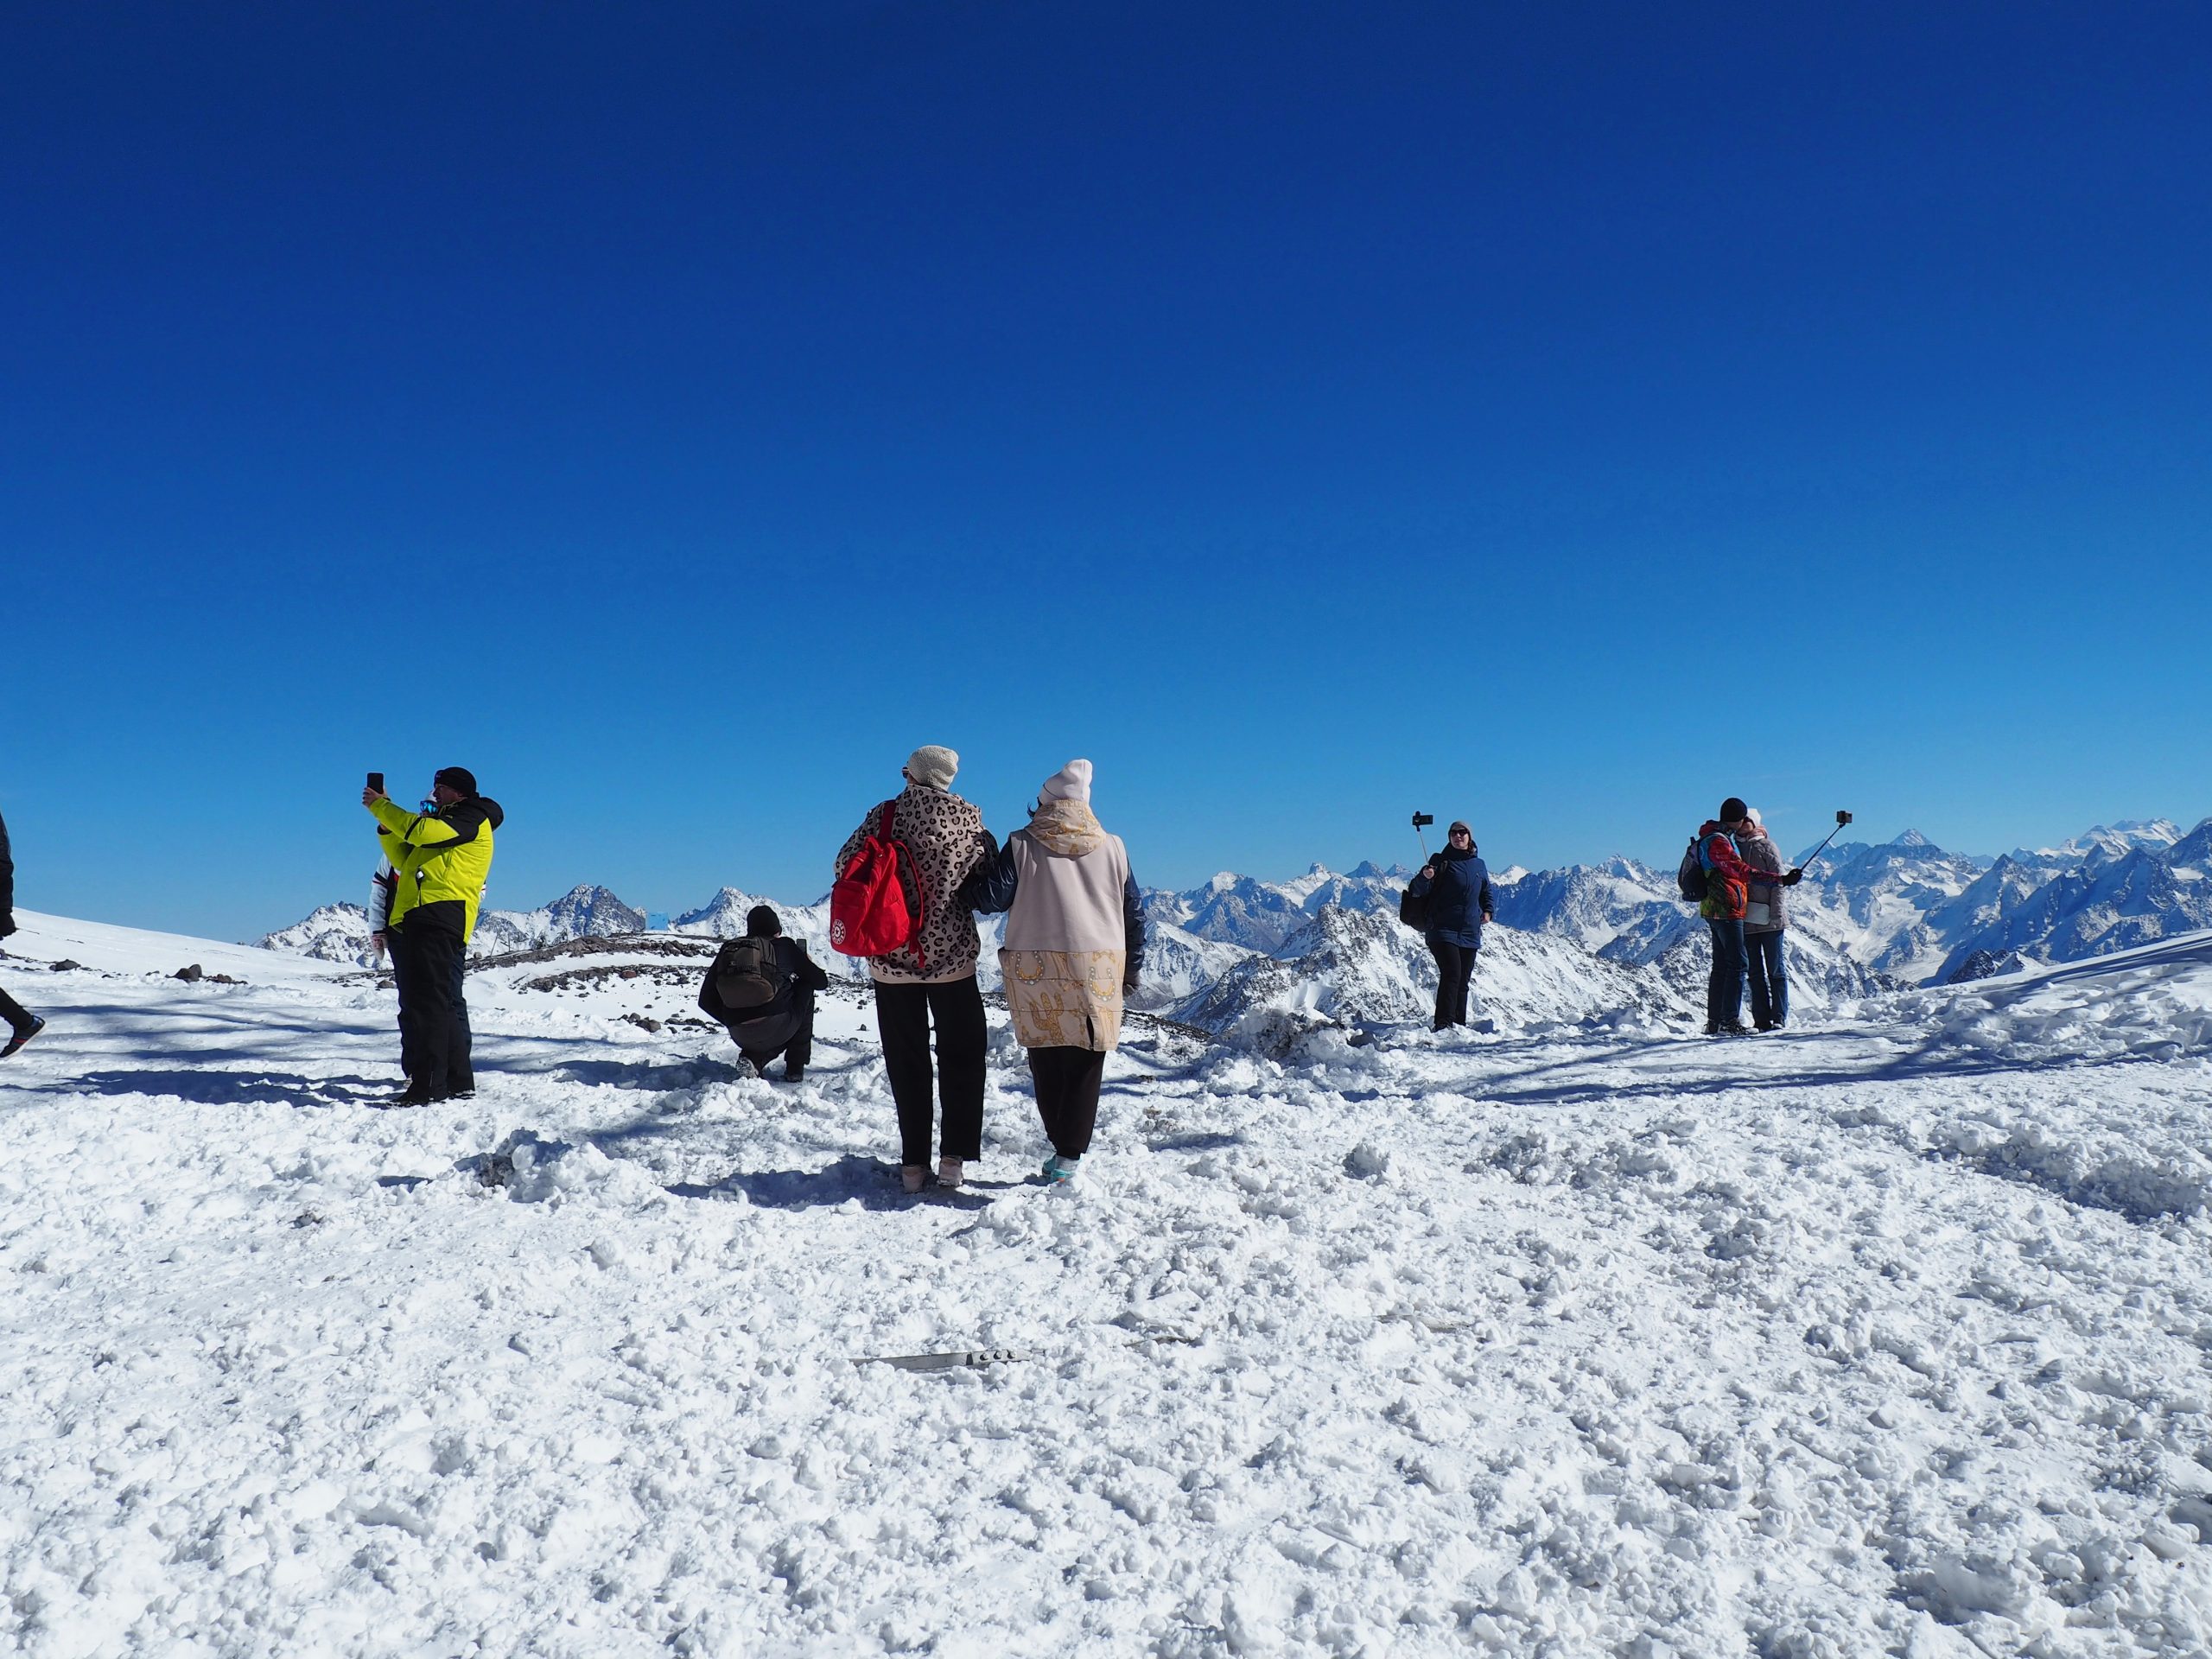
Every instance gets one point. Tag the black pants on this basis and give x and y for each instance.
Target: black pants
(797, 1049)
(1770, 978)
(1724, 990)
(1455, 971)
(902, 1019)
(13, 1012)
(403, 962)
(429, 967)
(1067, 1095)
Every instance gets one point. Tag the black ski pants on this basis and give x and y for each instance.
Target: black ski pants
(903, 1013)
(429, 967)
(797, 1047)
(1724, 990)
(1769, 978)
(1455, 972)
(1067, 1095)
(13, 1012)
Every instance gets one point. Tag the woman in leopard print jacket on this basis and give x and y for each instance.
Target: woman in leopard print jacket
(933, 977)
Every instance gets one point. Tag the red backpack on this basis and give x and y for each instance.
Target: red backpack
(868, 906)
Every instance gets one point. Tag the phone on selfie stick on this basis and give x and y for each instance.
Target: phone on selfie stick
(1841, 818)
(376, 782)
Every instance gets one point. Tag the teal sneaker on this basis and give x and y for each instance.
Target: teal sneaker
(1058, 1168)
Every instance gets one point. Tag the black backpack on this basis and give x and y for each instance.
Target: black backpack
(1690, 876)
(747, 975)
(1413, 912)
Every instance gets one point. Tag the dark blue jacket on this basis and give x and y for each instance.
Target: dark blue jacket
(1459, 899)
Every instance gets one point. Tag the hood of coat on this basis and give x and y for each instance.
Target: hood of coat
(477, 809)
(1066, 828)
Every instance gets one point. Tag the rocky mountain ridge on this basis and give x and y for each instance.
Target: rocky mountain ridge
(1600, 942)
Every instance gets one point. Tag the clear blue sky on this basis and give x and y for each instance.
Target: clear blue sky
(1555, 416)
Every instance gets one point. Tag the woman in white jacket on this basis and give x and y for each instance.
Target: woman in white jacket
(1074, 944)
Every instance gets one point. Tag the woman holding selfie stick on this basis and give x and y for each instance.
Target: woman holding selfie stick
(1764, 921)
(1456, 883)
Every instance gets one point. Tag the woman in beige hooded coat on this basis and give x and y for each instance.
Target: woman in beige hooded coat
(1074, 944)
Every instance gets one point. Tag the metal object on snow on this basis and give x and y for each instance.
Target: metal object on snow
(973, 1359)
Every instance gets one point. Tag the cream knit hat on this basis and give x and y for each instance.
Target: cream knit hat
(934, 764)
(1070, 782)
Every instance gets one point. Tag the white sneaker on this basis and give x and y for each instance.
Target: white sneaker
(911, 1176)
(948, 1172)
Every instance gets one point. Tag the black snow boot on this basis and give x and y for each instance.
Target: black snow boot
(22, 1034)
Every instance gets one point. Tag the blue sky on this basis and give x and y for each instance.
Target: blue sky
(1558, 416)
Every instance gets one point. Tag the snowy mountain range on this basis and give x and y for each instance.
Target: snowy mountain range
(1605, 943)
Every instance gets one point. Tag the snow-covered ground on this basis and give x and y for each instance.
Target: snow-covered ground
(1885, 1337)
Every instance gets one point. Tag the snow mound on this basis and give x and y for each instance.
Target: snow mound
(2152, 1004)
(533, 1170)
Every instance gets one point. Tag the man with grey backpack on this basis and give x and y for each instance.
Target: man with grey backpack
(761, 988)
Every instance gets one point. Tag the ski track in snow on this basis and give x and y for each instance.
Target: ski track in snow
(1887, 1339)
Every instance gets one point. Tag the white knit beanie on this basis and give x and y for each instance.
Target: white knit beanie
(1070, 782)
(1752, 813)
(934, 764)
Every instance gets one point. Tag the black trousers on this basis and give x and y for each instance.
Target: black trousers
(797, 1049)
(1067, 1095)
(430, 966)
(1455, 971)
(903, 1013)
(1770, 978)
(1724, 990)
(402, 964)
(13, 1012)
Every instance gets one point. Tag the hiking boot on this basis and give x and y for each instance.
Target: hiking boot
(913, 1177)
(23, 1034)
(949, 1172)
(413, 1095)
(1729, 1028)
(794, 1071)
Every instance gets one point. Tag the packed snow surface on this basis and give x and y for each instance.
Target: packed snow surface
(1879, 1337)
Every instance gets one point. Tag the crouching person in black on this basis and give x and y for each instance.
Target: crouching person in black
(762, 987)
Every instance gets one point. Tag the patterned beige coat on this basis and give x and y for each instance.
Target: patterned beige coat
(946, 837)
(1065, 945)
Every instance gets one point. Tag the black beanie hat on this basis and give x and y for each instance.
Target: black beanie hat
(761, 922)
(460, 778)
(1732, 808)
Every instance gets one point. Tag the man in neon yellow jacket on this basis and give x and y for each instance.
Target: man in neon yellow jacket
(440, 859)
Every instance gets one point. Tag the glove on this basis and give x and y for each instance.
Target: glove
(1793, 878)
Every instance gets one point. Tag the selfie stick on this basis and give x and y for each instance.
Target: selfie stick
(1841, 818)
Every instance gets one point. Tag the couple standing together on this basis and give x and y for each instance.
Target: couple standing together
(1073, 945)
